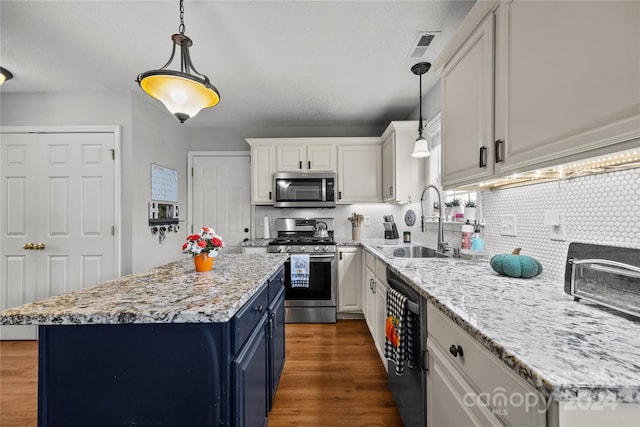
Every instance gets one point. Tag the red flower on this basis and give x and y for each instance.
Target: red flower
(206, 229)
(184, 247)
(193, 237)
(216, 242)
(202, 243)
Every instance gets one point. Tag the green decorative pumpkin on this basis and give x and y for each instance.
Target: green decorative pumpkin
(516, 265)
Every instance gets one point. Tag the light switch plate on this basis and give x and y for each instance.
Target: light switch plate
(367, 220)
(508, 225)
(559, 232)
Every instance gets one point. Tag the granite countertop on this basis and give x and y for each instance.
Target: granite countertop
(172, 293)
(569, 350)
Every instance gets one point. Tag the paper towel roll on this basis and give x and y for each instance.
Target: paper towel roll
(265, 226)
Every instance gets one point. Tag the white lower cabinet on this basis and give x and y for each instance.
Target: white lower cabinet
(349, 280)
(469, 386)
(375, 300)
(451, 401)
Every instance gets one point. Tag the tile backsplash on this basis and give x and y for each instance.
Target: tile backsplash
(600, 209)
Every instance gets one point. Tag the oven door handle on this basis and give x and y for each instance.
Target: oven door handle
(317, 257)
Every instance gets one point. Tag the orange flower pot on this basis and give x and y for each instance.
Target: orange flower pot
(203, 262)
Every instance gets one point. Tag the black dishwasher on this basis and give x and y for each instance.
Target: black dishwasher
(409, 389)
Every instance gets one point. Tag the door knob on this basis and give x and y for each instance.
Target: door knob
(28, 246)
(40, 246)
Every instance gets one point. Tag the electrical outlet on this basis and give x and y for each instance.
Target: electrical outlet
(508, 225)
(367, 221)
(559, 232)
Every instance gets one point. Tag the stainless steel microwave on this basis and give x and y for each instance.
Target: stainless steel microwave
(304, 190)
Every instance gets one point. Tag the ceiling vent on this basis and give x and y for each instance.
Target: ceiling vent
(421, 43)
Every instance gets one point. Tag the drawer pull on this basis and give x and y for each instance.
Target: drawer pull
(456, 350)
(259, 309)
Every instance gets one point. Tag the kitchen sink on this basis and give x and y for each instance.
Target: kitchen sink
(404, 251)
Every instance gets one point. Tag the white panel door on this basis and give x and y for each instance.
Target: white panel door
(221, 197)
(57, 214)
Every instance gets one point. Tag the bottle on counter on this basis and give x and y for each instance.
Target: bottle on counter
(477, 241)
(467, 234)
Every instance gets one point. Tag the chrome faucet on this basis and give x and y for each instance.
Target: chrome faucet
(442, 246)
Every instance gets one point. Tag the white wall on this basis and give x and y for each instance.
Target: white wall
(158, 138)
(148, 135)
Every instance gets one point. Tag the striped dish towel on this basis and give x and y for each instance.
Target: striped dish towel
(300, 271)
(398, 344)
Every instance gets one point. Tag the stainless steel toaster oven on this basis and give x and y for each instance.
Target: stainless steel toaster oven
(606, 275)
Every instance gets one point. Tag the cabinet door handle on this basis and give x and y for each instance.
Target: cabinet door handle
(269, 195)
(456, 350)
(339, 195)
(259, 309)
(391, 191)
(498, 153)
(309, 162)
(373, 289)
(300, 164)
(371, 284)
(340, 255)
(483, 157)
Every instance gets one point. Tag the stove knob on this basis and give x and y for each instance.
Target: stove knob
(280, 248)
(325, 248)
(316, 248)
(301, 248)
(288, 248)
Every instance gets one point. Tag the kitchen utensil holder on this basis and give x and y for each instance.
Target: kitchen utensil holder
(355, 233)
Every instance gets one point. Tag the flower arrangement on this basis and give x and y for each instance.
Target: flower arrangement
(207, 242)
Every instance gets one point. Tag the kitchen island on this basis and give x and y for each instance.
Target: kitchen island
(165, 347)
(581, 358)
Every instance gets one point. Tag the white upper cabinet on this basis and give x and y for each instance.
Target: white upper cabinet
(359, 172)
(305, 157)
(569, 74)
(263, 165)
(535, 84)
(467, 109)
(403, 176)
(356, 162)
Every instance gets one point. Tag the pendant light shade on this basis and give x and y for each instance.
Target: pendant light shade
(183, 92)
(421, 148)
(5, 75)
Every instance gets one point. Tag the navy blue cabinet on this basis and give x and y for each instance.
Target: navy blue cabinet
(250, 373)
(276, 344)
(170, 374)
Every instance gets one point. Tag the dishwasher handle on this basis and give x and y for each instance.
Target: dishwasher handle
(413, 306)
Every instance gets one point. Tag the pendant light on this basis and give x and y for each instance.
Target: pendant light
(5, 75)
(421, 149)
(183, 92)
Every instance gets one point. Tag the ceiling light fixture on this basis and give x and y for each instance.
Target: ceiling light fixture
(421, 149)
(183, 92)
(5, 75)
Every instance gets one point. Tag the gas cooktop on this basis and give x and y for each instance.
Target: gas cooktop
(302, 240)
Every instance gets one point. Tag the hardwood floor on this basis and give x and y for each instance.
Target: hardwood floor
(18, 383)
(332, 377)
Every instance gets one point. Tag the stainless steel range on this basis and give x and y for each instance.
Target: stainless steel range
(315, 301)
